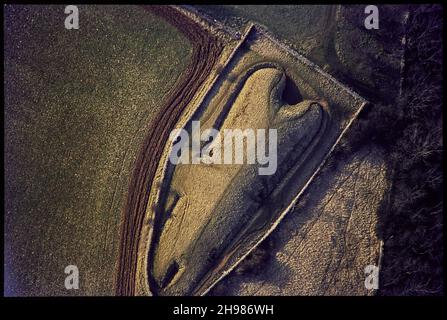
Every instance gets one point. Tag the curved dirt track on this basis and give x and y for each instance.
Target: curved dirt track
(206, 51)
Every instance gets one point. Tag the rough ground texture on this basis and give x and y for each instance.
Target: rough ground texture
(399, 69)
(206, 50)
(200, 243)
(334, 37)
(211, 202)
(323, 246)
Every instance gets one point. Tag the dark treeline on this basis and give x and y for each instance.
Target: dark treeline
(410, 135)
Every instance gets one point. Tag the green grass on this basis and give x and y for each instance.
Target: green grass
(333, 37)
(77, 106)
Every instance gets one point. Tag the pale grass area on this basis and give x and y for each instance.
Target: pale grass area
(323, 245)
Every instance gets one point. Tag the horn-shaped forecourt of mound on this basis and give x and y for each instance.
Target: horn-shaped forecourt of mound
(207, 207)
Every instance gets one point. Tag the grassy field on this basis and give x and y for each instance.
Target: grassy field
(78, 110)
(335, 38)
(323, 245)
(77, 107)
(301, 25)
